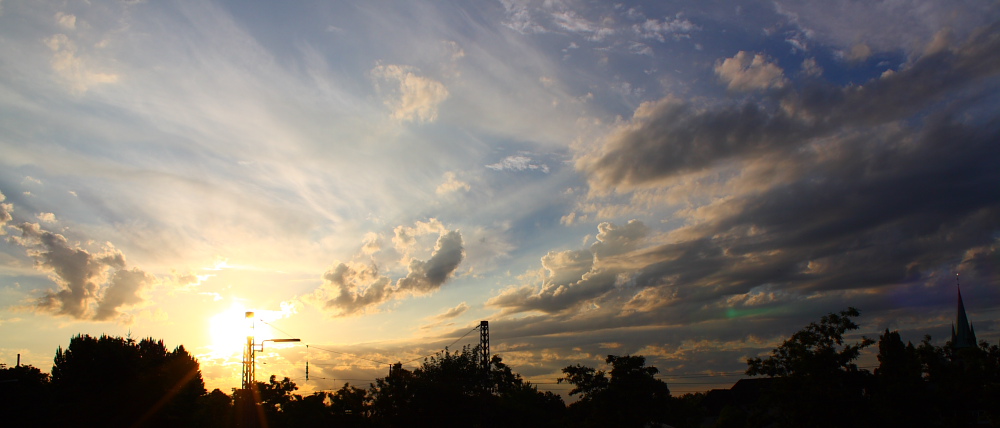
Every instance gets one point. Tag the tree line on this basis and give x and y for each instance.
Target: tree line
(812, 379)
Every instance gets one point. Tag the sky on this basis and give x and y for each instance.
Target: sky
(691, 181)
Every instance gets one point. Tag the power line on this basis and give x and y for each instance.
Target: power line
(276, 328)
(446, 347)
(348, 354)
(661, 376)
(374, 360)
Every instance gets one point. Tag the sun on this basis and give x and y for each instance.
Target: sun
(229, 329)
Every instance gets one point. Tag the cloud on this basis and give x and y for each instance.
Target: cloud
(405, 237)
(74, 70)
(744, 72)
(452, 312)
(573, 277)
(858, 52)
(426, 276)
(5, 214)
(568, 20)
(676, 27)
(65, 20)
(803, 201)
(811, 68)
(519, 162)
(519, 18)
(123, 290)
(669, 138)
(452, 184)
(883, 26)
(91, 286)
(414, 98)
(372, 243)
(47, 217)
(356, 288)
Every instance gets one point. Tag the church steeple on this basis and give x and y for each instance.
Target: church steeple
(962, 333)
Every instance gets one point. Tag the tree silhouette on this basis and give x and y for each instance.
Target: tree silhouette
(451, 387)
(900, 396)
(631, 397)
(962, 384)
(215, 409)
(817, 383)
(274, 397)
(114, 381)
(350, 406)
(24, 392)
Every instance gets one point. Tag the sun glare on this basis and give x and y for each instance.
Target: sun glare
(229, 329)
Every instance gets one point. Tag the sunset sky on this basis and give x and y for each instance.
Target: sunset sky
(691, 181)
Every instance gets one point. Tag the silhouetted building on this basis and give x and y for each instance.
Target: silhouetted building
(962, 333)
(744, 395)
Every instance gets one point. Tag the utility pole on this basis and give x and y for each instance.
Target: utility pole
(248, 357)
(484, 345)
(249, 368)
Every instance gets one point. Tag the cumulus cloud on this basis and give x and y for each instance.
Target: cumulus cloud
(573, 277)
(858, 52)
(372, 243)
(356, 288)
(452, 184)
(811, 68)
(411, 97)
(91, 286)
(426, 276)
(351, 288)
(5, 214)
(405, 237)
(66, 20)
(123, 290)
(47, 217)
(749, 72)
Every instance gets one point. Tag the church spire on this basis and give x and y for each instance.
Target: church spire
(962, 333)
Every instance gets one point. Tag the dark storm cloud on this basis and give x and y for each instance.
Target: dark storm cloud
(870, 196)
(82, 276)
(874, 211)
(351, 289)
(673, 137)
(863, 187)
